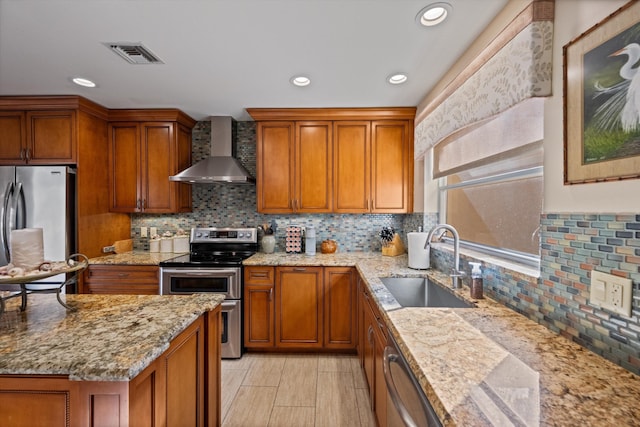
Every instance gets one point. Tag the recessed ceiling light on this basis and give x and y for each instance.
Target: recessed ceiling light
(83, 82)
(397, 78)
(300, 81)
(433, 14)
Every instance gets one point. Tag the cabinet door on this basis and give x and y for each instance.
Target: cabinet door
(13, 136)
(51, 137)
(157, 157)
(183, 162)
(275, 167)
(124, 167)
(340, 321)
(368, 345)
(259, 307)
(391, 167)
(313, 167)
(299, 307)
(352, 153)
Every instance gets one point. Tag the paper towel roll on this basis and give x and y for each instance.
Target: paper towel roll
(418, 255)
(27, 248)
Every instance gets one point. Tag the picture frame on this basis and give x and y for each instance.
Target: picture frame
(602, 100)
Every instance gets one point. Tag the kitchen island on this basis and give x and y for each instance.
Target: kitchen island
(111, 360)
(487, 365)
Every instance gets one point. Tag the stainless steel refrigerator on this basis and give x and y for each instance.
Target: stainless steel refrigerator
(39, 197)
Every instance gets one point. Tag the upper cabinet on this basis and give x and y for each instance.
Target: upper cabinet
(38, 137)
(334, 160)
(144, 151)
(294, 166)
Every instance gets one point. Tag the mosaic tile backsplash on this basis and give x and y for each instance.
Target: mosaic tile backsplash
(234, 205)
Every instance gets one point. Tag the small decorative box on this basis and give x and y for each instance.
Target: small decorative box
(293, 239)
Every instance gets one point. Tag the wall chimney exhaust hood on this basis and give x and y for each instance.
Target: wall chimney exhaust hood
(221, 166)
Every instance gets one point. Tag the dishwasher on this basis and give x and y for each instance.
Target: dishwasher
(412, 408)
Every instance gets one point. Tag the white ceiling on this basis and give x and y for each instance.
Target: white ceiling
(222, 56)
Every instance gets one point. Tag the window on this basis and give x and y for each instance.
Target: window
(491, 184)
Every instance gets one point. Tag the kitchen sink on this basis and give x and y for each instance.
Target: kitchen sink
(421, 292)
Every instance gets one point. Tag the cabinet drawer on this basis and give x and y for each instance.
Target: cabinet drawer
(122, 279)
(259, 275)
(129, 273)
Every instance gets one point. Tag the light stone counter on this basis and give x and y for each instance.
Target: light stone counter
(134, 258)
(106, 337)
(490, 365)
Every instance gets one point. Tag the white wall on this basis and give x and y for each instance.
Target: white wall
(572, 18)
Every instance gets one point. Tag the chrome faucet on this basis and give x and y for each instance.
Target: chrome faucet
(456, 274)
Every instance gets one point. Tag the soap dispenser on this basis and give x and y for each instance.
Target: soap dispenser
(476, 281)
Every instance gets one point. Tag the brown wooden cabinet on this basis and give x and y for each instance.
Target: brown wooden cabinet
(259, 283)
(340, 320)
(298, 311)
(38, 137)
(371, 352)
(121, 279)
(300, 308)
(335, 160)
(181, 387)
(143, 154)
(294, 166)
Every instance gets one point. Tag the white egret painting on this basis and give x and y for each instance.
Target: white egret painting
(612, 98)
(602, 100)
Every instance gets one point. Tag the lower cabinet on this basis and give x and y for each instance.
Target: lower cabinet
(300, 308)
(259, 307)
(371, 353)
(121, 279)
(181, 387)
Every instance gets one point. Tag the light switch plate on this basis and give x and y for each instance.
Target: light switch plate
(611, 292)
(143, 231)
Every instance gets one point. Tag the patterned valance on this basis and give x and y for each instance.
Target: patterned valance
(519, 70)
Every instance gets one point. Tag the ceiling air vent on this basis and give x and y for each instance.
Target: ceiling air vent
(135, 53)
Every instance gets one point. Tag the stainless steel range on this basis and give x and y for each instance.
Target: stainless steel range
(214, 264)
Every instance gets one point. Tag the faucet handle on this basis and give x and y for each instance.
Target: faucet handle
(457, 273)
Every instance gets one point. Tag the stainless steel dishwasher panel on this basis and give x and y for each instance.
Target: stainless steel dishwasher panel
(407, 403)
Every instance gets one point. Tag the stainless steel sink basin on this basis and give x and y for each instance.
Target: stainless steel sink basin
(420, 292)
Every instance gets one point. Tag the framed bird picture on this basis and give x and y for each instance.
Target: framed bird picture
(602, 100)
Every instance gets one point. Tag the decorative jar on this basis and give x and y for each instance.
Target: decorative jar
(268, 243)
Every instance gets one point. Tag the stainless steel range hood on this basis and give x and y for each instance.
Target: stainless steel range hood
(221, 166)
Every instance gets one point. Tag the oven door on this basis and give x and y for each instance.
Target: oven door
(191, 280)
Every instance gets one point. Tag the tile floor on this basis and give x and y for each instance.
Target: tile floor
(295, 390)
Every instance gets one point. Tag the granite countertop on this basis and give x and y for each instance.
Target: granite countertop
(106, 337)
(489, 365)
(134, 258)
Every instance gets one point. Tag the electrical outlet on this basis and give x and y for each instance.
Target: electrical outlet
(615, 295)
(153, 231)
(143, 231)
(611, 292)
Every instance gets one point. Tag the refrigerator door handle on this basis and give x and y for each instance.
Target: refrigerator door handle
(6, 223)
(20, 207)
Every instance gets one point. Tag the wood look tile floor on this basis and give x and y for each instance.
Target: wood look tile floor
(295, 390)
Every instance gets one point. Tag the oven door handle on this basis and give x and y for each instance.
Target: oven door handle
(209, 273)
(229, 303)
